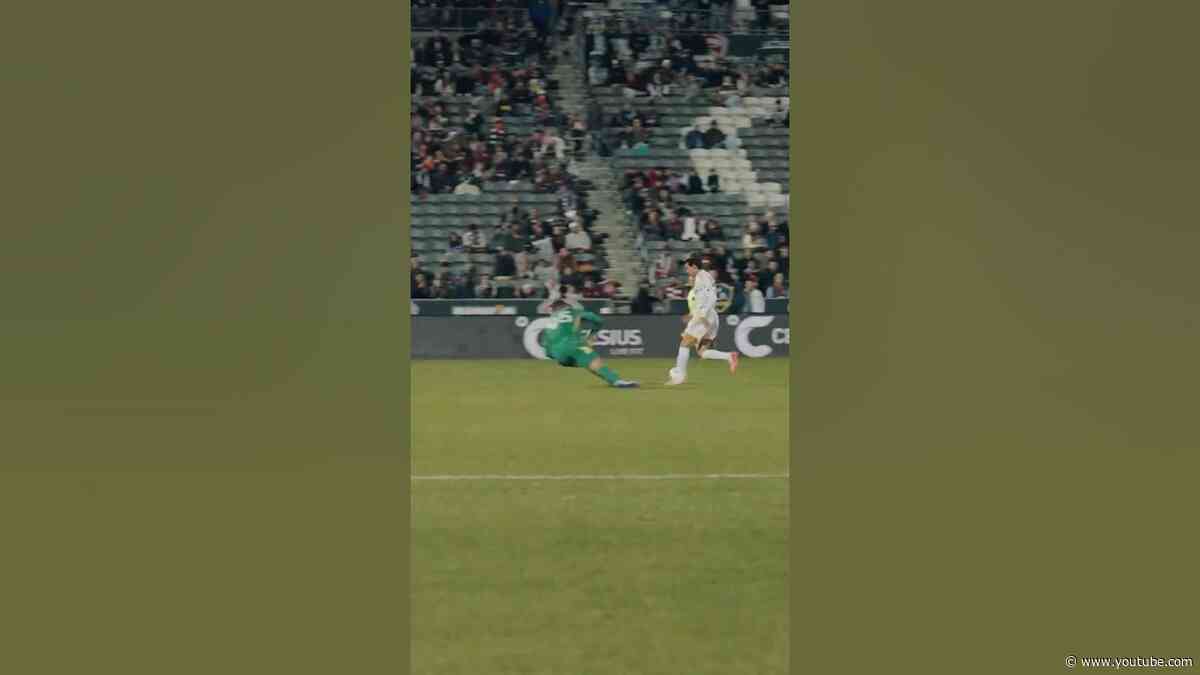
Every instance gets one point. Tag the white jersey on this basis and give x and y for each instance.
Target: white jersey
(702, 305)
(702, 299)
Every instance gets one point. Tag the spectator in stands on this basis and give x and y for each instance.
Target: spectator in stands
(558, 239)
(563, 259)
(778, 289)
(597, 73)
(714, 137)
(543, 244)
(693, 88)
(774, 237)
(545, 273)
(578, 135)
(652, 223)
(415, 269)
(591, 290)
(767, 276)
(467, 186)
(441, 181)
(553, 146)
(643, 302)
(712, 232)
(578, 240)
(762, 14)
(420, 288)
(752, 241)
(777, 76)
(439, 291)
(524, 261)
(569, 202)
(516, 214)
(737, 303)
(783, 261)
(659, 85)
(444, 274)
(506, 265)
(751, 268)
(689, 229)
(672, 227)
(569, 277)
(509, 237)
(662, 268)
(486, 288)
(695, 185)
(527, 292)
(754, 297)
(474, 239)
(729, 95)
(570, 293)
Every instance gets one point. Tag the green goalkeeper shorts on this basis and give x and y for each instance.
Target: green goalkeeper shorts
(572, 355)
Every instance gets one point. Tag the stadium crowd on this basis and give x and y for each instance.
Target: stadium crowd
(534, 253)
(754, 268)
(499, 71)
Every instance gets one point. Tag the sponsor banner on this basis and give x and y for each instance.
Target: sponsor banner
(505, 307)
(725, 299)
(623, 336)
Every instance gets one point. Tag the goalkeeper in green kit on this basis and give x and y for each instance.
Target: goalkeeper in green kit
(569, 342)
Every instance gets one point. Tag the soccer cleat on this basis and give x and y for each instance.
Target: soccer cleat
(733, 359)
(674, 379)
(625, 384)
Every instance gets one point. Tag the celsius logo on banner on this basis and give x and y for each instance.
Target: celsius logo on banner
(627, 337)
(533, 329)
(741, 335)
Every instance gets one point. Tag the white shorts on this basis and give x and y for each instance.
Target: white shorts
(699, 331)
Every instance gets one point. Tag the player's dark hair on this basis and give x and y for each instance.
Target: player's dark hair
(704, 263)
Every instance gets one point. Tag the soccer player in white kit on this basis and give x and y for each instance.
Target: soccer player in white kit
(702, 322)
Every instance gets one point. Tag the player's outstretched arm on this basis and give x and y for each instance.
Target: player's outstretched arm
(591, 318)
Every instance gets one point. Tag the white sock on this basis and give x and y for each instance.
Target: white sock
(715, 355)
(681, 361)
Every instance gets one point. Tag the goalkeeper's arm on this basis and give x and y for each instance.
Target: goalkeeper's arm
(592, 320)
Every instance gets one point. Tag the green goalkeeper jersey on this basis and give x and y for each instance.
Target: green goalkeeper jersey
(572, 327)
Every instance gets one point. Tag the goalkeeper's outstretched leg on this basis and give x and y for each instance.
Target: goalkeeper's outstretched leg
(601, 370)
(586, 358)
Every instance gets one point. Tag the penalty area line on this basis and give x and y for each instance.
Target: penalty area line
(663, 476)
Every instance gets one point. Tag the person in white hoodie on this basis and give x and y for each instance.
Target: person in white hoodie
(754, 297)
(578, 239)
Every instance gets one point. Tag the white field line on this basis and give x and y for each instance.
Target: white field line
(662, 476)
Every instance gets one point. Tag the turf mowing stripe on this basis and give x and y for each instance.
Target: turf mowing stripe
(665, 476)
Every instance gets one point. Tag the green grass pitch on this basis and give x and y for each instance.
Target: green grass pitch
(665, 572)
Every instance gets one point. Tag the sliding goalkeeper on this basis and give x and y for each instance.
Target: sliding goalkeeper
(569, 342)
